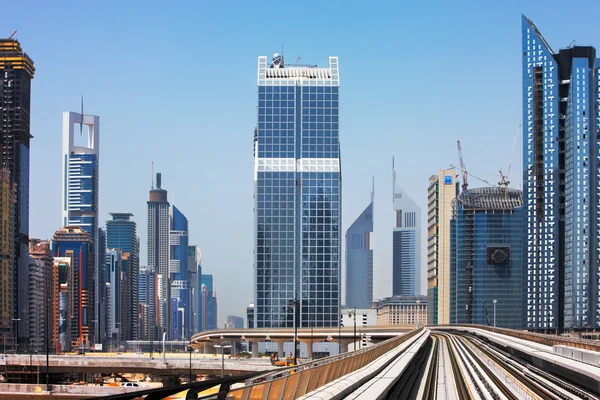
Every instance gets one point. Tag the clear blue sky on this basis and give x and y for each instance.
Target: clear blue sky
(175, 82)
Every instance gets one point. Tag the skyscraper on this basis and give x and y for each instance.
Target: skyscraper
(80, 186)
(158, 252)
(178, 241)
(297, 199)
(16, 73)
(359, 260)
(486, 265)
(41, 293)
(8, 193)
(406, 258)
(62, 304)
(148, 303)
(442, 190)
(76, 244)
(561, 183)
(116, 281)
(195, 272)
(209, 303)
(121, 233)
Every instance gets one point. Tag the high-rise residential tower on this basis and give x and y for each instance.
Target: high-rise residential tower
(359, 260)
(486, 264)
(442, 190)
(16, 73)
(76, 244)
(158, 252)
(297, 201)
(121, 233)
(80, 185)
(195, 273)
(115, 282)
(148, 303)
(406, 256)
(8, 193)
(561, 183)
(178, 242)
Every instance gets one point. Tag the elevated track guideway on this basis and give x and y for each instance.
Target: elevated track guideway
(449, 363)
(457, 365)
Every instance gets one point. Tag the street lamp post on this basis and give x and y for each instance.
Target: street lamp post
(495, 301)
(222, 346)
(295, 303)
(311, 341)
(47, 351)
(418, 309)
(16, 331)
(190, 349)
(353, 315)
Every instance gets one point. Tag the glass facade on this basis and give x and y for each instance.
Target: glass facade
(121, 233)
(487, 260)
(406, 256)
(359, 261)
(561, 183)
(178, 242)
(76, 244)
(297, 195)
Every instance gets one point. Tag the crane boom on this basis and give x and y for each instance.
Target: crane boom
(463, 169)
(512, 153)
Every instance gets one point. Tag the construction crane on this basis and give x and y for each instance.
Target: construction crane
(463, 169)
(504, 178)
(473, 176)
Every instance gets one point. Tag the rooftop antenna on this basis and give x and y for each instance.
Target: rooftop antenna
(152, 175)
(282, 59)
(393, 180)
(81, 124)
(373, 190)
(12, 34)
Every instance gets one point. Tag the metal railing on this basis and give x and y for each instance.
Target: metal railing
(297, 381)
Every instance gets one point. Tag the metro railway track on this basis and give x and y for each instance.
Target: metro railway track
(464, 367)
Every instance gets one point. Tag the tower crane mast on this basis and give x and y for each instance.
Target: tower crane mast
(463, 169)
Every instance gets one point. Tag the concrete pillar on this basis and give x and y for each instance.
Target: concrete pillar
(254, 348)
(280, 352)
(309, 349)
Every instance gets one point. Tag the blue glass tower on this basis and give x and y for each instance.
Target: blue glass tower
(359, 260)
(121, 233)
(486, 257)
(297, 201)
(406, 256)
(209, 303)
(178, 265)
(561, 183)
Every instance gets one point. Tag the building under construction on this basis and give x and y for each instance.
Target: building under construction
(16, 73)
(487, 257)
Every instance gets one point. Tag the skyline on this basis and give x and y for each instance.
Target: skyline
(213, 235)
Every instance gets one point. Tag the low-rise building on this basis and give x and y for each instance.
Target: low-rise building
(402, 310)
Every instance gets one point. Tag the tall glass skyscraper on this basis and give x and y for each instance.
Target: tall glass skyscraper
(121, 233)
(178, 254)
(359, 260)
(406, 259)
(158, 255)
(297, 201)
(486, 257)
(80, 186)
(561, 94)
